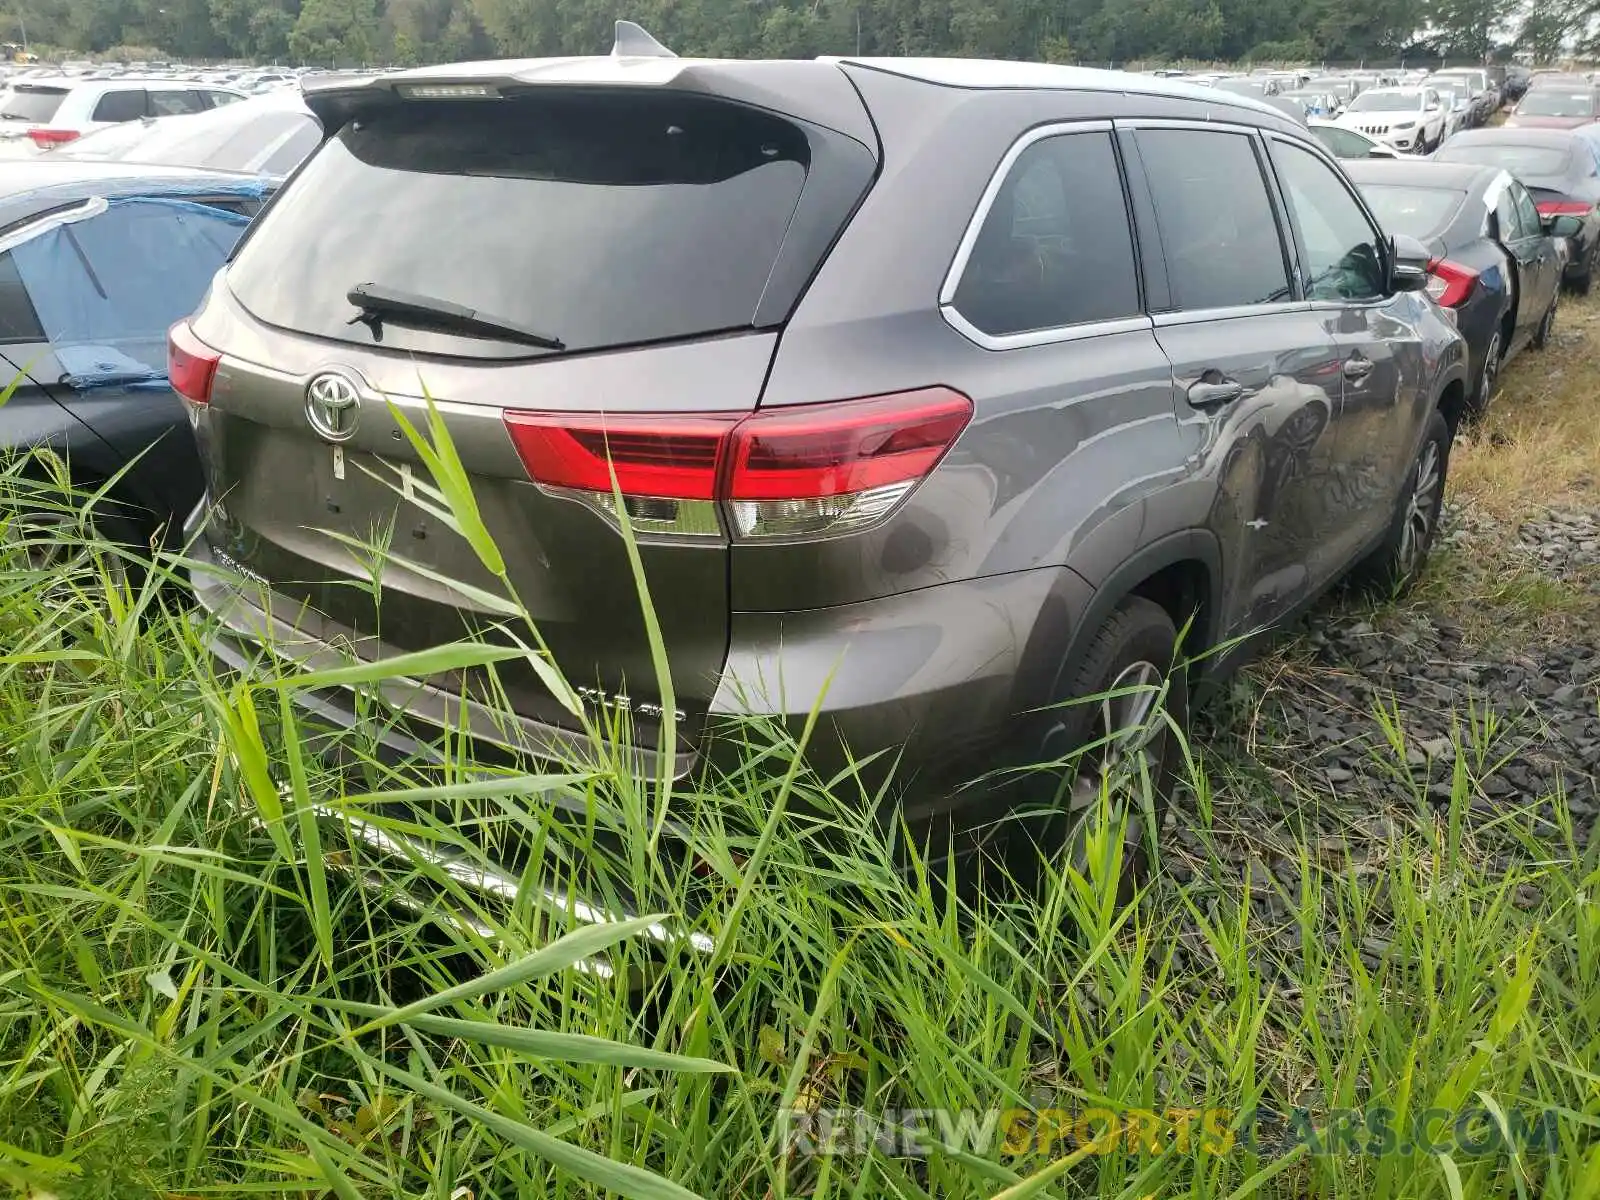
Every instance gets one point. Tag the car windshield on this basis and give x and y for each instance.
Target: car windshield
(1386, 102)
(1519, 160)
(1547, 102)
(1419, 212)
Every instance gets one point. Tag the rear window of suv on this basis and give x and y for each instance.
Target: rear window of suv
(25, 103)
(600, 219)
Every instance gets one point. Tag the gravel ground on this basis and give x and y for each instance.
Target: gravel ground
(1304, 726)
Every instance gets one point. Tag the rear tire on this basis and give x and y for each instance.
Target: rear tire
(1399, 560)
(1115, 728)
(1541, 336)
(1488, 376)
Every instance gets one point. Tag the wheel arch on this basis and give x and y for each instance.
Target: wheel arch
(1182, 572)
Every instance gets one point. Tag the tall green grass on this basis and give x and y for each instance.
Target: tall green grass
(196, 998)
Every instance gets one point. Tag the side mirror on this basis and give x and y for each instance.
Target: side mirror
(1563, 226)
(1408, 264)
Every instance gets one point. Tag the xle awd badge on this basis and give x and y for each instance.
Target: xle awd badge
(333, 407)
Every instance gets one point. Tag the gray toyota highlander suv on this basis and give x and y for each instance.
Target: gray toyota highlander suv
(937, 393)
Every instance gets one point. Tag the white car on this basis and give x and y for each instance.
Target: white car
(1347, 143)
(1457, 101)
(264, 135)
(1409, 119)
(42, 113)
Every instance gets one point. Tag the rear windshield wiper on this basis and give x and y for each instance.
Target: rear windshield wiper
(378, 303)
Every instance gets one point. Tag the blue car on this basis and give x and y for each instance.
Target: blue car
(97, 261)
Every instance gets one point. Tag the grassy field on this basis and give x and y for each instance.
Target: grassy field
(1313, 997)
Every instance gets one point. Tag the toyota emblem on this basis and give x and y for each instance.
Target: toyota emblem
(333, 405)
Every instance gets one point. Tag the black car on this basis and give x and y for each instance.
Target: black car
(1561, 170)
(97, 261)
(1496, 266)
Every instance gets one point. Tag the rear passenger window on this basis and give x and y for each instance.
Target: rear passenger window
(1344, 255)
(124, 105)
(1218, 233)
(1054, 248)
(18, 321)
(1527, 211)
(175, 103)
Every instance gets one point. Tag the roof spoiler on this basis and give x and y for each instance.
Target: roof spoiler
(633, 42)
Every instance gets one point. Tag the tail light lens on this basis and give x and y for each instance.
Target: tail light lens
(1562, 208)
(47, 138)
(191, 364)
(1450, 283)
(811, 470)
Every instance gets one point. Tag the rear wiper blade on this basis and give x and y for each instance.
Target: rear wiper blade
(378, 303)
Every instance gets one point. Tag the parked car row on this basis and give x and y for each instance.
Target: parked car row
(885, 456)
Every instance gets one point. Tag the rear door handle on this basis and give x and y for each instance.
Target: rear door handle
(1357, 368)
(1208, 395)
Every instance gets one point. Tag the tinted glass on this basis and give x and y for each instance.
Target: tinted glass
(108, 288)
(1224, 251)
(1527, 211)
(1055, 248)
(1346, 143)
(602, 219)
(18, 321)
(1344, 260)
(1507, 218)
(1519, 160)
(1420, 212)
(1548, 102)
(175, 103)
(125, 105)
(32, 104)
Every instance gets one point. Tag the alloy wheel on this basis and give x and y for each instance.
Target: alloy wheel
(1491, 371)
(1422, 508)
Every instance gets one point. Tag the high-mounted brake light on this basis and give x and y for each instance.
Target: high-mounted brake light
(46, 138)
(1450, 283)
(1563, 208)
(191, 364)
(804, 471)
(448, 91)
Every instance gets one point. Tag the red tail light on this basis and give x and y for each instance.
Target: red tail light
(46, 138)
(792, 472)
(1562, 208)
(191, 364)
(1450, 283)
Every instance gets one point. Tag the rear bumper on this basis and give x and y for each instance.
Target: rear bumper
(933, 676)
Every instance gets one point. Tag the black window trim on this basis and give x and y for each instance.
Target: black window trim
(1382, 239)
(969, 239)
(1288, 244)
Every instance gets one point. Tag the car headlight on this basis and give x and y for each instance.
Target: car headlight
(1404, 124)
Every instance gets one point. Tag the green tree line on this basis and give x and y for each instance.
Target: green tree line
(351, 32)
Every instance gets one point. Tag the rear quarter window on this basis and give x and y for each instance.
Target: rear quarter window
(1055, 247)
(128, 104)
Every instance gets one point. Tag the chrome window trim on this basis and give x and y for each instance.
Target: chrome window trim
(969, 239)
(1040, 337)
(1189, 316)
(1198, 123)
